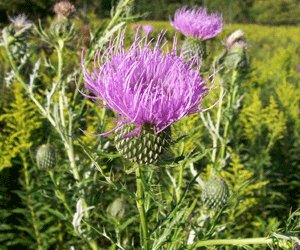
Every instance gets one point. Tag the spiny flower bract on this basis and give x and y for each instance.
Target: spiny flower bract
(196, 22)
(144, 85)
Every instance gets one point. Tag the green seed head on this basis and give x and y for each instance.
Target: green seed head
(46, 157)
(144, 148)
(215, 193)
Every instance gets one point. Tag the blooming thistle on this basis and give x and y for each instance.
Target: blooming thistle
(147, 28)
(196, 22)
(20, 22)
(149, 90)
(197, 25)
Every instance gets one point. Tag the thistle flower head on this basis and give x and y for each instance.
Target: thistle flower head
(147, 28)
(196, 22)
(20, 22)
(63, 8)
(144, 85)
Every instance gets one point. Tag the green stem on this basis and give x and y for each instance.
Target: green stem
(180, 181)
(68, 142)
(140, 196)
(217, 128)
(233, 242)
(231, 100)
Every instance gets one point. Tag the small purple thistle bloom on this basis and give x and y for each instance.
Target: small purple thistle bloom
(144, 85)
(196, 22)
(147, 28)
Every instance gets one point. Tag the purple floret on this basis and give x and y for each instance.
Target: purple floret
(196, 22)
(144, 85)
(147, 28)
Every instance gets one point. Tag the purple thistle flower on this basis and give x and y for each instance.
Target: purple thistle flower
(196, 22)
(144, 85)
(147, 28)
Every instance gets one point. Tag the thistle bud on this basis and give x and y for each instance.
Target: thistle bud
(237, 37)
(61, 29)
(194, 47)
(236, 46)
(46, 157)
(117, 208)
(215, 193)
(144, 148)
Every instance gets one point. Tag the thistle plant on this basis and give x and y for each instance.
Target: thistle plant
(79, 192)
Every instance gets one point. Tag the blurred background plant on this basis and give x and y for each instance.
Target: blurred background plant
(273, 12)
(250, 138)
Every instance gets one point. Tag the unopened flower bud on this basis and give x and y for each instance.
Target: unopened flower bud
(61, 29)
(236, 38)
(236, 46)
(144, 148)
(46, 157)
(215, 193)
(117, 208)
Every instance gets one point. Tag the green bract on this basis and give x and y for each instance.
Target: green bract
(144, 148)
(194, 47)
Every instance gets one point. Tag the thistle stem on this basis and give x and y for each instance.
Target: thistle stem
(217, 128)
(180, 181)
(140, 196)
(232, 242)
(68, 142)
(231, 100)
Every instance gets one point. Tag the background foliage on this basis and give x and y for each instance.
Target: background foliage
(272, 12)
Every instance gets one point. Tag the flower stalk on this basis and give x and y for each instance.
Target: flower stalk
(140, 198)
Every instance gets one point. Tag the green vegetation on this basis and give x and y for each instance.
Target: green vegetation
(272, 12)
